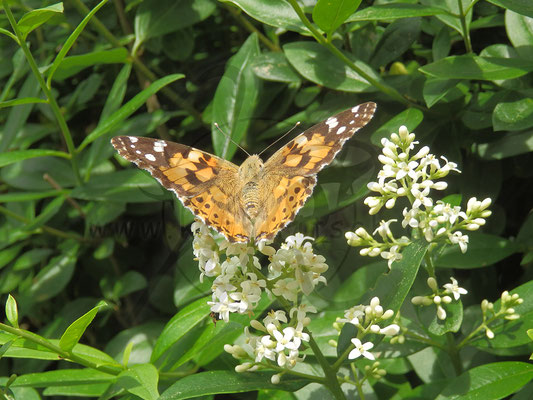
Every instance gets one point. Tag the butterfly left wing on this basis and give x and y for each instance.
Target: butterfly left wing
(204, 183)
(291, 171)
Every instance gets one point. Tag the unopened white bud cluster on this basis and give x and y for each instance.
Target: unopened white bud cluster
(414, 177)
(440, 297)
(508, 302)
(367, 319)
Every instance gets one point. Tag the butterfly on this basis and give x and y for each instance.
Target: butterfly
(253, 201)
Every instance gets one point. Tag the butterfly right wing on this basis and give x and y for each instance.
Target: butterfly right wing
(204, 183)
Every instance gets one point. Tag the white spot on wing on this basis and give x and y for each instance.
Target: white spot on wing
(159, 146)
(133, 139)
(355, 109)
(352, 122)
(150, 157)
(341, 130)
(138, 151)
(332, 122)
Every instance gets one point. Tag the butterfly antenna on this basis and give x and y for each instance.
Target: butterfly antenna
(230, 139)
(281, 137)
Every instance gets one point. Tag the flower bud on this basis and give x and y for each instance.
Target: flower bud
(275, 379)
(441, 313)
(390, 330)
(489, 333)
(432, 283)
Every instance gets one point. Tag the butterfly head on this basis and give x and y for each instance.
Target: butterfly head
(251, 168)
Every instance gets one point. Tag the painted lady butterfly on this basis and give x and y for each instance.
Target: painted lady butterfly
(254, 201)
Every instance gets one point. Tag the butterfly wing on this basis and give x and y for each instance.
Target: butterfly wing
(204, 183)
(291, 171)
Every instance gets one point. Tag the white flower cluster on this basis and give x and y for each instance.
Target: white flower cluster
(279, 341)
(295, 269)
(440, 297)
(236, 288)
(413, 177)
(366, 318)
(238, 283)
(506, 311)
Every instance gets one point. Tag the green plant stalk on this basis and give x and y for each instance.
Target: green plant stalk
(67, 355)
(51, 99)
(453, 352)
(466, 33)
(331, 382)
(393, 93)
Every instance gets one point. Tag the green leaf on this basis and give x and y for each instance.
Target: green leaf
(127, 109)
(396, 40)
(330, 14)
(35, 18)
(400, 277)
(31, 258)
(489, 381)
(7, 255)
(513, 116)
(394, 11)
(18, 116)
(62, 377)
(509, 145)
(70, 66)
(318, 65)
(12, 313)
(355, 286)
(278, 13)
(483, 250)
(475, 67)
(130, 282)
(235, 99)
(435, 89)
(185, 320)
(524, 7)
(70, 42)
(452, 323)
(52, 279)
(75, 331)
(48, 212)
(218, 382)
(131, 185)
(274, 67)
(25, 100)
(140, 380)
(158, 17)
(19, 155)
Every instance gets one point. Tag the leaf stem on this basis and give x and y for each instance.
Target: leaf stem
(466, 33)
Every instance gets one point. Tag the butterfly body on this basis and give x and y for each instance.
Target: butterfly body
(257, 199)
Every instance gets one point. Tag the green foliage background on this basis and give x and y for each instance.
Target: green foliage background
(79, 225)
